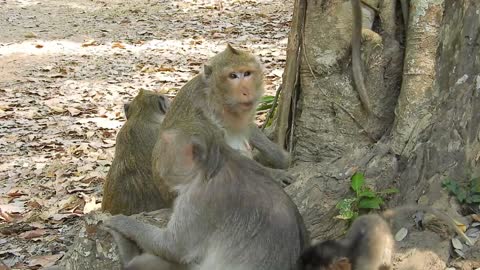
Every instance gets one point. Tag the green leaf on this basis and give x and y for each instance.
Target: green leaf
(370, 203)
(357, 181)
(267, 98)
(451, 186)
(475, 198)
(367, 193)
(345, 203)
(475, 185)
(390, 191)
(461, 195)
(346, 215)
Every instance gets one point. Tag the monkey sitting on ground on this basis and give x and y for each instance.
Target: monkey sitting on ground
(129, 187)
(368, 245)
(229, 213)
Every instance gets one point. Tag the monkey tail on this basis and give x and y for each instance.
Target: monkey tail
(356, 56)
(391, 213)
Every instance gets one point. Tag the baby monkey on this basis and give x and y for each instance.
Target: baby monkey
(368, 245)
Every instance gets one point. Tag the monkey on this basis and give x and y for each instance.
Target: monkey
(129, 187)
(229, 213)
(357, 66)
(224, 97)
(368, 245)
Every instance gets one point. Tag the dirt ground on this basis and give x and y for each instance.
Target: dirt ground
(67, 67)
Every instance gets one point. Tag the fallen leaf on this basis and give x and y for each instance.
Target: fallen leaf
(118, 45)
(32, 234)
(88, 43)
(38, 46)
(401, 234)
(73, 111)
(91, 205)
(44, 261)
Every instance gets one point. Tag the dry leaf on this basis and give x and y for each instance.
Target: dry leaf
(88, 43)
(32, 234)
(118, 45)
(38, 46)
(73, 111)
(44, 261)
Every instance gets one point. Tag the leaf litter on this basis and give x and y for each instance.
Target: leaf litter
(67, 67)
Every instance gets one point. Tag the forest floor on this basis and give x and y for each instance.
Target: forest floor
(67, 67)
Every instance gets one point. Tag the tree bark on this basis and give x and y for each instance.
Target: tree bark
(433, 134)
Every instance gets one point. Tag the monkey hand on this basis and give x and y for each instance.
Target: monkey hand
(121, 224)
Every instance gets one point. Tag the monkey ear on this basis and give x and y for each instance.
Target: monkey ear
(207, 71)
(126, 106)
(164, 103)
(208, 156)
(231, 49)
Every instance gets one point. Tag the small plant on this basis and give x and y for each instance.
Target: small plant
(469, 193)
(266, 102)
(365, 198)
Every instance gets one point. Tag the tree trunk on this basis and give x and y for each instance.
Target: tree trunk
(425, 126)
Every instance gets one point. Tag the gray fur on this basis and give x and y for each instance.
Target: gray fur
(240, 219)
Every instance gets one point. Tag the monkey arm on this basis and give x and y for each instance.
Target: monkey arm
(270, 153)
(158, 241)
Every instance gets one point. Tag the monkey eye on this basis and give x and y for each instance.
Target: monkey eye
(247, 73)
(233, 75)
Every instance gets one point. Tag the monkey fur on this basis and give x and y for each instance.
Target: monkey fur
(224, 97)
(129, 187)
(357, 66)
(229, 213)
(368, 245)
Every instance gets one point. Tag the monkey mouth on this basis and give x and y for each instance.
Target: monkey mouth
(246, 105)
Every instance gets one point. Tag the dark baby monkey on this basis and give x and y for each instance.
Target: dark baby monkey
(368, 245)
(229, 213)
(129, 187)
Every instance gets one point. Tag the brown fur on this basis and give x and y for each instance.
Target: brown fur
(129, 187)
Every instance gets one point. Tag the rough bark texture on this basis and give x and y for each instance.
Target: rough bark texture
(433, 134)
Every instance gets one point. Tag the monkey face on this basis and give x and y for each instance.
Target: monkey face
(242, 88)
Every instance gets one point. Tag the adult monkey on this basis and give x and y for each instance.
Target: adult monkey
(229, 214)
(129, 187)
(224, 97)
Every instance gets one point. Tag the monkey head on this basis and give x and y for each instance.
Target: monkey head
(146, 100)
(327, 255)
(188, 157)
(235, 79)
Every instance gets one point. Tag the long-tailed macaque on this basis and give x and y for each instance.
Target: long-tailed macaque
(368, 245)
(224, 97)
(357, 66)
(129, 187)
(229, 213)
(227, 93)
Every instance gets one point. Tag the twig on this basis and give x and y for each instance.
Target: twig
(274, 105)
